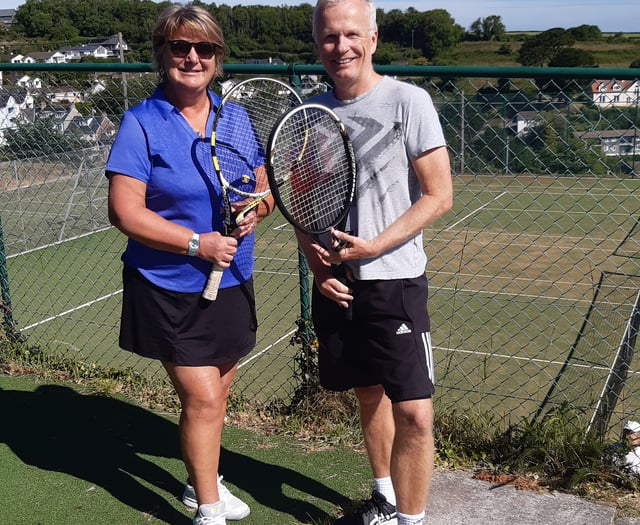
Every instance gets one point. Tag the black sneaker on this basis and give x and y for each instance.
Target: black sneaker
(373, 511)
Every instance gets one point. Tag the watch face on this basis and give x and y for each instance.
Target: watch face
(194, 244)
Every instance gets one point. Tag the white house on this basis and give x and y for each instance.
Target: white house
(47, 57)
(615, 142)
(12, 105)
(615, 93)
(28, 82)
(525, 120)
(111, 44)
(78, 52)
(64, 94)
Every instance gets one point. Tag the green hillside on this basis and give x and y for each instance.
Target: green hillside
(619, 51)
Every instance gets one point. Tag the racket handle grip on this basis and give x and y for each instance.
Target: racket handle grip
(210, 292)
(339, 273)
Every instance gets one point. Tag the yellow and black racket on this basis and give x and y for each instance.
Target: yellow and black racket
(241, 128)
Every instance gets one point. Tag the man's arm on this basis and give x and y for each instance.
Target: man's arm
(434, 174)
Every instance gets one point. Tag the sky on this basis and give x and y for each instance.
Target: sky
(517, 15)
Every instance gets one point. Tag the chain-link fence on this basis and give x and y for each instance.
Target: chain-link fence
(534, 276)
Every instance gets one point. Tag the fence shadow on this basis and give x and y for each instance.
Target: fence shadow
(96, 438)
(102, 439)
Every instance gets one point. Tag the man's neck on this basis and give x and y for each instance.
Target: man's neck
(348, 91)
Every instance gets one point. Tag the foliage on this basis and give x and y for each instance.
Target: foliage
(436, 32)
(306, 360)
(505, 49)
(489, 28)
(541, 48)
(586, 33)
(284, 32)
(573, 57)
(555, 448)
(40, 139)
(18, 357)
(57, 20)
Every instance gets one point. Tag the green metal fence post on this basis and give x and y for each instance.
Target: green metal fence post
(303, 273)
(4, 286)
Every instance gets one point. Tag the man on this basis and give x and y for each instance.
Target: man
(404, 184)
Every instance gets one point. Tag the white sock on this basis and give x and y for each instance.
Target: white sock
(385, 487)
(410, 519)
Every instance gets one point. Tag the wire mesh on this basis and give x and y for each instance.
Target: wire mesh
(527, 301)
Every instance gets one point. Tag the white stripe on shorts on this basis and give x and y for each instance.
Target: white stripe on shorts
(426, 341)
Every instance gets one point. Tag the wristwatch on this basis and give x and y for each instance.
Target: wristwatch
(194, 244)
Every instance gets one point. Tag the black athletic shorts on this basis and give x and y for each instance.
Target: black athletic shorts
(183, 328)
(388, 341)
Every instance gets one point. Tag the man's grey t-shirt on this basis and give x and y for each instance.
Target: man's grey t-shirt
(389, 126)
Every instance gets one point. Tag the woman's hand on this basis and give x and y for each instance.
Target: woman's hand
(246, 218)
(218, 249)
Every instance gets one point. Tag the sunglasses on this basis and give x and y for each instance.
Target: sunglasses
(181, 48)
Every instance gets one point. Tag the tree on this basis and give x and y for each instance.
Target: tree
(489, 28)
(538, 50)
(38, 140)
(585, 32)
(572, 57)
(436, 32)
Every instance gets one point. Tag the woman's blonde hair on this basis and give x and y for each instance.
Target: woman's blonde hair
(196, 20)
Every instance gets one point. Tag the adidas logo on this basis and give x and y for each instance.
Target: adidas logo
(403, 329)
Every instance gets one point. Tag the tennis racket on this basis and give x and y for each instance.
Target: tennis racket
(241, 128)
(312, 172)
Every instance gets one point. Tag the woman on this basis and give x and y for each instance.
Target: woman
(163, 194)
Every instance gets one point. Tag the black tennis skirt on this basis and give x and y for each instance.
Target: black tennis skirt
(184, 328)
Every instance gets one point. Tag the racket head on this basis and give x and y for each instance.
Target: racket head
(241, 128)
(312, 169)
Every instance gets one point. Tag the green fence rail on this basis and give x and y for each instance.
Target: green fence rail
(534, 275)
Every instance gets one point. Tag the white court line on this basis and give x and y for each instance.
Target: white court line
(261, 352)
(475, 211)
(70, 311)
(88, 234)
(61, 314)
(520, 358)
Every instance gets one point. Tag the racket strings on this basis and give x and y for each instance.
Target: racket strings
(316, 176)
(243, 127)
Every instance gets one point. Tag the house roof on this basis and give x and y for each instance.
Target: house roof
(612, 85)
(83, 49)
(110, 41)
(41, 55)
(608, 134)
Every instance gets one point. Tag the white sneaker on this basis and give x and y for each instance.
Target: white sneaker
(212, 514)
(236, 508)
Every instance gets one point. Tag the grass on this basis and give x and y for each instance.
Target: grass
(72, 456)
(109, 442)
(608, 54)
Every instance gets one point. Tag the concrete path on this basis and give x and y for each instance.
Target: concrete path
(458, 498)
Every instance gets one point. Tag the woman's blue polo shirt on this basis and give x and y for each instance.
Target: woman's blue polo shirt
(156, 145)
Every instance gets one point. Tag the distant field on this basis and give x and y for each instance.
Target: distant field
(608, 54)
